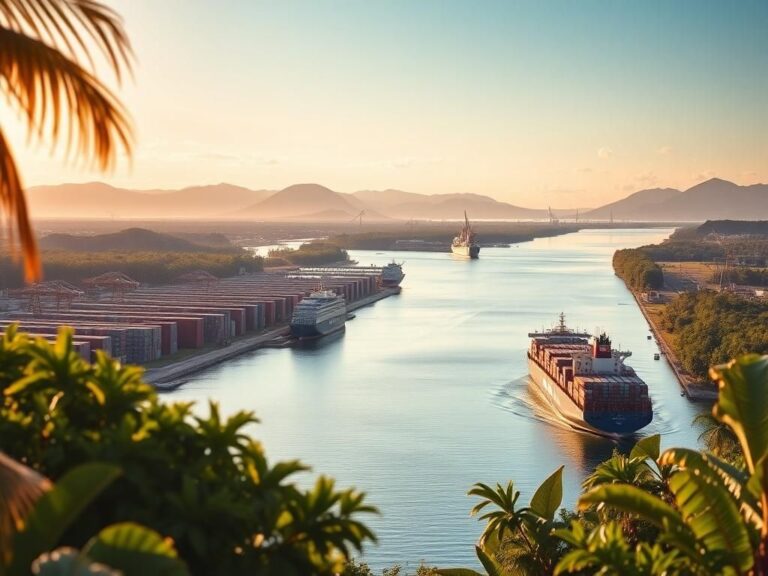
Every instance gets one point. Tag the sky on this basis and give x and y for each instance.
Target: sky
(569, 103)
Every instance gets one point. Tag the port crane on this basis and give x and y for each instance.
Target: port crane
(552, 218)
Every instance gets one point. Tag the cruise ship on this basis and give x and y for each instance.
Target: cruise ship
(318, 314)
(392, 274)
(586, 381)
(464, 244)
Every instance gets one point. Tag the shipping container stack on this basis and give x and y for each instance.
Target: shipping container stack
(141, 325)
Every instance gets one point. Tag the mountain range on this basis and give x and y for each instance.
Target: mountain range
(713, 199)
(310, 202)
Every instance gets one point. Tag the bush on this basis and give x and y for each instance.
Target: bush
(148, 267)
(311, 254)
(202, 480)
(637, 270)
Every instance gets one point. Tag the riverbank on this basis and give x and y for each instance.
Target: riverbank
(174, 375)
(694, 389)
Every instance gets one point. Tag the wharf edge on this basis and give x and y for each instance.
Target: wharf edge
(171, 377)
(692, 391)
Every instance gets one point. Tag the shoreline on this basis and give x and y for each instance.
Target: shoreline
(171, 377)
(693, 390)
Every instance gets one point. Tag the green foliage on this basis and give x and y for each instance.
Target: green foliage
(637, 270)
(311, 254)
(56, 510)
(709, 515)
(743, 276)
(713, 327)
(200, 479)
(149, 267)
(135, 550)
(517, 540)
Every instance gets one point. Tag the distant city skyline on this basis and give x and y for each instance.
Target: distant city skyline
(562, 103)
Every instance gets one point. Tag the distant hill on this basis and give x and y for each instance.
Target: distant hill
(626, 208)
(732, 228)
(131, 239)
(714, 199)
(309, 202)
(409, 205)
(99, 200)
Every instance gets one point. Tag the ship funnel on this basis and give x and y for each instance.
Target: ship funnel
(601, 346)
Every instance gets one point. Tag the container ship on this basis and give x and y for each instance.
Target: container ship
(392, 274)
(464, 244)
(586, 381)
(318, 314)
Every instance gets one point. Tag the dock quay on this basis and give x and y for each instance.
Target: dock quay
(176, 329)
(693, 389)
(170, 377)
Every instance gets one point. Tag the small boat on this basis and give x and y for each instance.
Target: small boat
(656, 356)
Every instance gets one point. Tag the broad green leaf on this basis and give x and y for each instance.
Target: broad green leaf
(136, 551)
(742, 403)
(491, 566)
(649, 447)
(635, 501)
(549, 495)
(712, 514)
(57, 509)
(735, 480)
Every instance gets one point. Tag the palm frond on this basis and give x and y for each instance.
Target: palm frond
(14, 204)
(71, 27)
(42, 46)
(20, 487)
(52, 89)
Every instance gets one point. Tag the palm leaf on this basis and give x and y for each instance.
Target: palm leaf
(42, 47)
(20, 488)
(14, 204)
(57, 509)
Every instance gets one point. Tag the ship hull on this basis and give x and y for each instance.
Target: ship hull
(311, 331)
(466, 251)
(391, 282)
(599, 423)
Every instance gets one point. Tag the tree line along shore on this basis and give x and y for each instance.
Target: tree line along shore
(701, 288)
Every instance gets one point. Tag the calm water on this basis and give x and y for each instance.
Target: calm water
(427, 392)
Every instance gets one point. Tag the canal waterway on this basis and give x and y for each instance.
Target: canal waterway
(427, 392)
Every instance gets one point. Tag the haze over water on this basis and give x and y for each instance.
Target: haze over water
(427, 392)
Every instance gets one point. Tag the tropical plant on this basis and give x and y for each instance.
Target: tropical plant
(517, 540)
(183, 473)
(42, 513)
(48, 74)
(718, 437)
(708, 516)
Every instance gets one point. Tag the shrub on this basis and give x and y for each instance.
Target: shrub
(202, 480)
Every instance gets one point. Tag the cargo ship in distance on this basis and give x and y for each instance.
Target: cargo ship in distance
(392, 274)
(586, 381)
(319, 314)
(465, 244)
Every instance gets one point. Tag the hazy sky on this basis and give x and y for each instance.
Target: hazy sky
(568, 103)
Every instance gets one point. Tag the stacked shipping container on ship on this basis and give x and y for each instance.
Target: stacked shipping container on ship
(587, 382)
